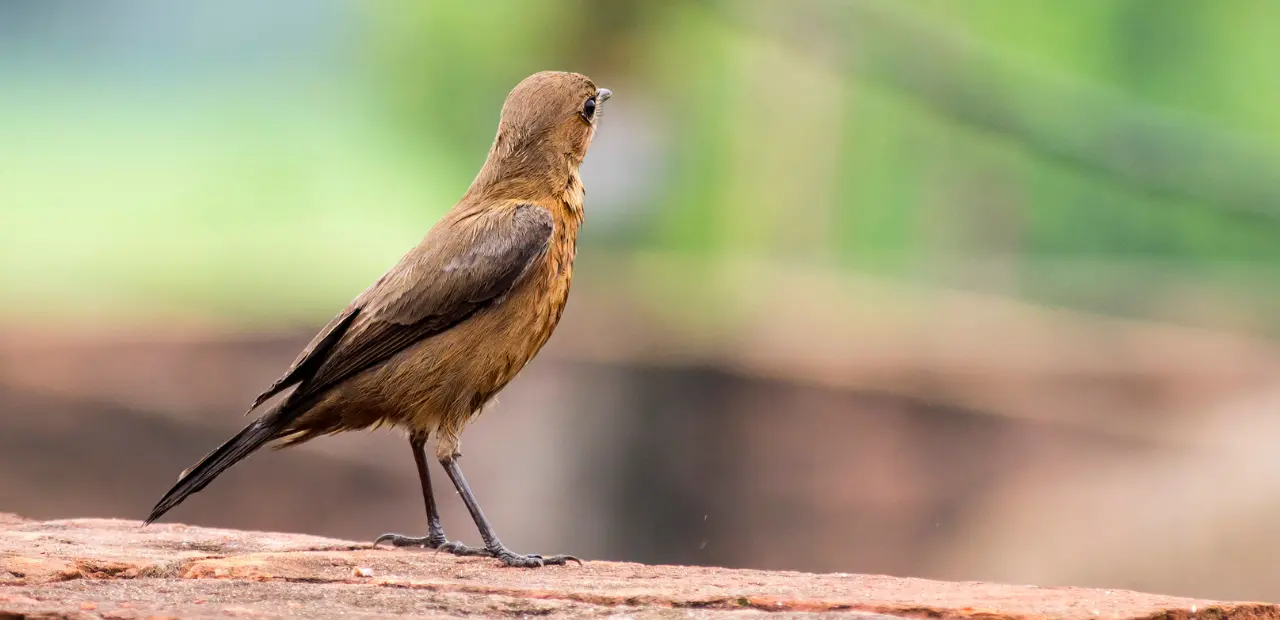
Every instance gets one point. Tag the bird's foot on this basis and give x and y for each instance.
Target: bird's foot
(437, 542)
(510, 558)
(400, 540)
(457, 548)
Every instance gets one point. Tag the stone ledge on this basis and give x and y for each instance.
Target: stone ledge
(99, 568)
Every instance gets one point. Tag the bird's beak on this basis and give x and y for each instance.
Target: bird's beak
(603, 95)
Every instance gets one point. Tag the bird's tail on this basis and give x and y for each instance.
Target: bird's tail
(198, 476)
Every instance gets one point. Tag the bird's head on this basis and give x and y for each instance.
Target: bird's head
(553, 113)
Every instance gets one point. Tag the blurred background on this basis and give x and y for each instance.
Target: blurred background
(982, 290)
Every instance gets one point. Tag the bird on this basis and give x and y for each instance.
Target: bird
(431, 342)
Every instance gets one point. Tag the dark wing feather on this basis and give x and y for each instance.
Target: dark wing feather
(432, 290)
(312, 356)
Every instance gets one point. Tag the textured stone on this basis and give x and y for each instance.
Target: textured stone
(97, 568)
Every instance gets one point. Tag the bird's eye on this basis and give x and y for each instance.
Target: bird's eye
(589, 109)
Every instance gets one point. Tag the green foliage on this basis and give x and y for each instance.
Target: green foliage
(224, 195)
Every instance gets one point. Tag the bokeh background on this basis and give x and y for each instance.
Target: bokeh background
(965, 290)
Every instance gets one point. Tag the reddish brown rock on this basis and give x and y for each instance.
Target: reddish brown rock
(96, 568)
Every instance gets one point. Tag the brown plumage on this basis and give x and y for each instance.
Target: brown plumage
(444, 330)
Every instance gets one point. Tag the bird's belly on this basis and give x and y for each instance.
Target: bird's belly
(447, 378)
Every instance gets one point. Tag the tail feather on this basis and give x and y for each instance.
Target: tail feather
(202, 473)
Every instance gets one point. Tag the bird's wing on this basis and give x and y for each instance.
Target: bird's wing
(312, 355)
(438, 285)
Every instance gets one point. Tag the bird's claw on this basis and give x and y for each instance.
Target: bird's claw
(457, 548)
(508, 557)
(532, 560)
(400, 540)
(439, 543)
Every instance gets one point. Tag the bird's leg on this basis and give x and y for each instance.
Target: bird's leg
(492, 545)
(435, 538)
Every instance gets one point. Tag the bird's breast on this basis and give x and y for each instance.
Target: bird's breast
(551, 286)
(528, 316)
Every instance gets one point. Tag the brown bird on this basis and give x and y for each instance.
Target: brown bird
(445, 329)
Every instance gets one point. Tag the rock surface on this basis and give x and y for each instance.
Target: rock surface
(98, 568)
